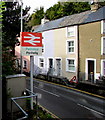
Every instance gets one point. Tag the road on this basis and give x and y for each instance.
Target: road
(69, 103)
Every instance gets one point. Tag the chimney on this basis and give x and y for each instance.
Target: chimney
(44, 20)
(94, 5)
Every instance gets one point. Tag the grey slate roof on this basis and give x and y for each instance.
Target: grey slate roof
(80, 18)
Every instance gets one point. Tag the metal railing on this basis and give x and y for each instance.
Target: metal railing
(13, 100)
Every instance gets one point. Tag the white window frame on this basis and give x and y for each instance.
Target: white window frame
(103, 27)
(70, 40)
(72, 30)
(39, 62)
(102, 71)
(86, 67)
(67, 64)
(102, 47)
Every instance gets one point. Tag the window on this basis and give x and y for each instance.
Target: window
(24, 64)
(71, 65)
(41, 62)
(70, 46)
(103, 67)
(42, 48)
(103, 27)
(70, 31)
(103, 46)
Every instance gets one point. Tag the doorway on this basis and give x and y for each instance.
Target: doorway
(50, 63)
(58, 67)
(90, 69)
(50, 66)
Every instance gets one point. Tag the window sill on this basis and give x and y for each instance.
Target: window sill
(70, 71)
(70, 53)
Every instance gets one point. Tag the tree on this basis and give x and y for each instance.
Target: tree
(11, 24)
(10, 30)
(35, 18)
(66, 8)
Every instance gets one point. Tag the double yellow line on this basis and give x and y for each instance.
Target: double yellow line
(74, 89)
(54, 116)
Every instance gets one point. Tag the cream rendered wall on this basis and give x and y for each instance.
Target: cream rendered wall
(60, 50)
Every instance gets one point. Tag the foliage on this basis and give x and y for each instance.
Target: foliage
(66, 8)
(35, 18)
(8, 62)
(10, 31)
(57, 11)
(11, 24)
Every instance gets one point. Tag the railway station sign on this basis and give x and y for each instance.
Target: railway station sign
(31, 44)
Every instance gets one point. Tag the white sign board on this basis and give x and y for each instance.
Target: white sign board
(31, 51)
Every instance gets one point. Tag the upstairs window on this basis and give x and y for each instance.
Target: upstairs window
(104, 27)
(41, 62)
(70, 32)
(42, 48)
(103, 46)
(70, 46)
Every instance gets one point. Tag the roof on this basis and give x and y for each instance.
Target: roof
(76, 19)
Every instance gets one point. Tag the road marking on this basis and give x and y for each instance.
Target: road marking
(47, 92)
(91, 109)
(74, 89)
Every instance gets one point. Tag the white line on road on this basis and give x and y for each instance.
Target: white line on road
(91, 109)
(47, 92)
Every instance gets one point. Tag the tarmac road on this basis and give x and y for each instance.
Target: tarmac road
(68, 103)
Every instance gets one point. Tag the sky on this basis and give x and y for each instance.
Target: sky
(34, 4)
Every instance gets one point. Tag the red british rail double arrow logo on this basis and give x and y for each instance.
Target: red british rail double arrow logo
(29, 39)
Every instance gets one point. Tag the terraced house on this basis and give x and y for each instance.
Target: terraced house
(92, 46)
(73, 46)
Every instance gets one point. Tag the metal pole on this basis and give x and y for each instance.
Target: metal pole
(36, 107)
(11, 111)
(31, 77)
(21, 32)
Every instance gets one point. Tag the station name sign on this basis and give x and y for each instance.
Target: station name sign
(31, 44)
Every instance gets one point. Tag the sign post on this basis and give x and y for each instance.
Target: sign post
(31, 45)
(31, 77)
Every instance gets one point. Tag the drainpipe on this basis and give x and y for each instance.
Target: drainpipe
(78, 53)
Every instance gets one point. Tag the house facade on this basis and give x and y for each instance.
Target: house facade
(60, 55)
(92, 49)
(25, 59)
(73, 46)
(65, 51)
(102, 47)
